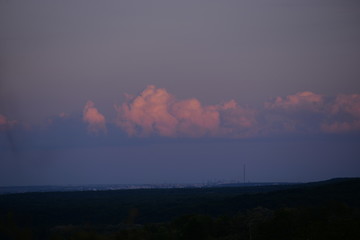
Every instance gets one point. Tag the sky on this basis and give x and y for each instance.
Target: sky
(178, 91)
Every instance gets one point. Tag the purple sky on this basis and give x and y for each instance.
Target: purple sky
(178, 91)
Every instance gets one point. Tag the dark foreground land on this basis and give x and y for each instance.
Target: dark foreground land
(322, 210)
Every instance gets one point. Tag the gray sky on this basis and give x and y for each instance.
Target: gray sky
(56, 55)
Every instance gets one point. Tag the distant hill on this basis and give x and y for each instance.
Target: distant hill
(345, 190)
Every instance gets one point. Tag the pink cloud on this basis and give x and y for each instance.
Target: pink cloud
(195, 119)
(301, 100)
(238, 121)
(156, 112)
(301, 113)
(349, 104)
(310, 112)
(234, 115)
(147, 114)
(94, 119)
(344, 115)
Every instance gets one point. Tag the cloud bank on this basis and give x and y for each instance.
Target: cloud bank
(345, 114)
(94, 119)
(155, 112)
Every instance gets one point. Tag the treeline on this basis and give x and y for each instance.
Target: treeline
(324, 210)
(334, 221)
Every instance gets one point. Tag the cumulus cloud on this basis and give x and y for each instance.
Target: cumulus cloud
(94, 119)
(148, 113)
(302, 112)
(312, 113)
(347, 104)
(299, 101)
(195, 119)
(344, 114)
(156, 112)
(238, 121)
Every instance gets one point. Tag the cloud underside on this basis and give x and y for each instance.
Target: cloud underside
(157, 112)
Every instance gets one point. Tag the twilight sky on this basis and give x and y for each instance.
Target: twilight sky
(178, 91)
